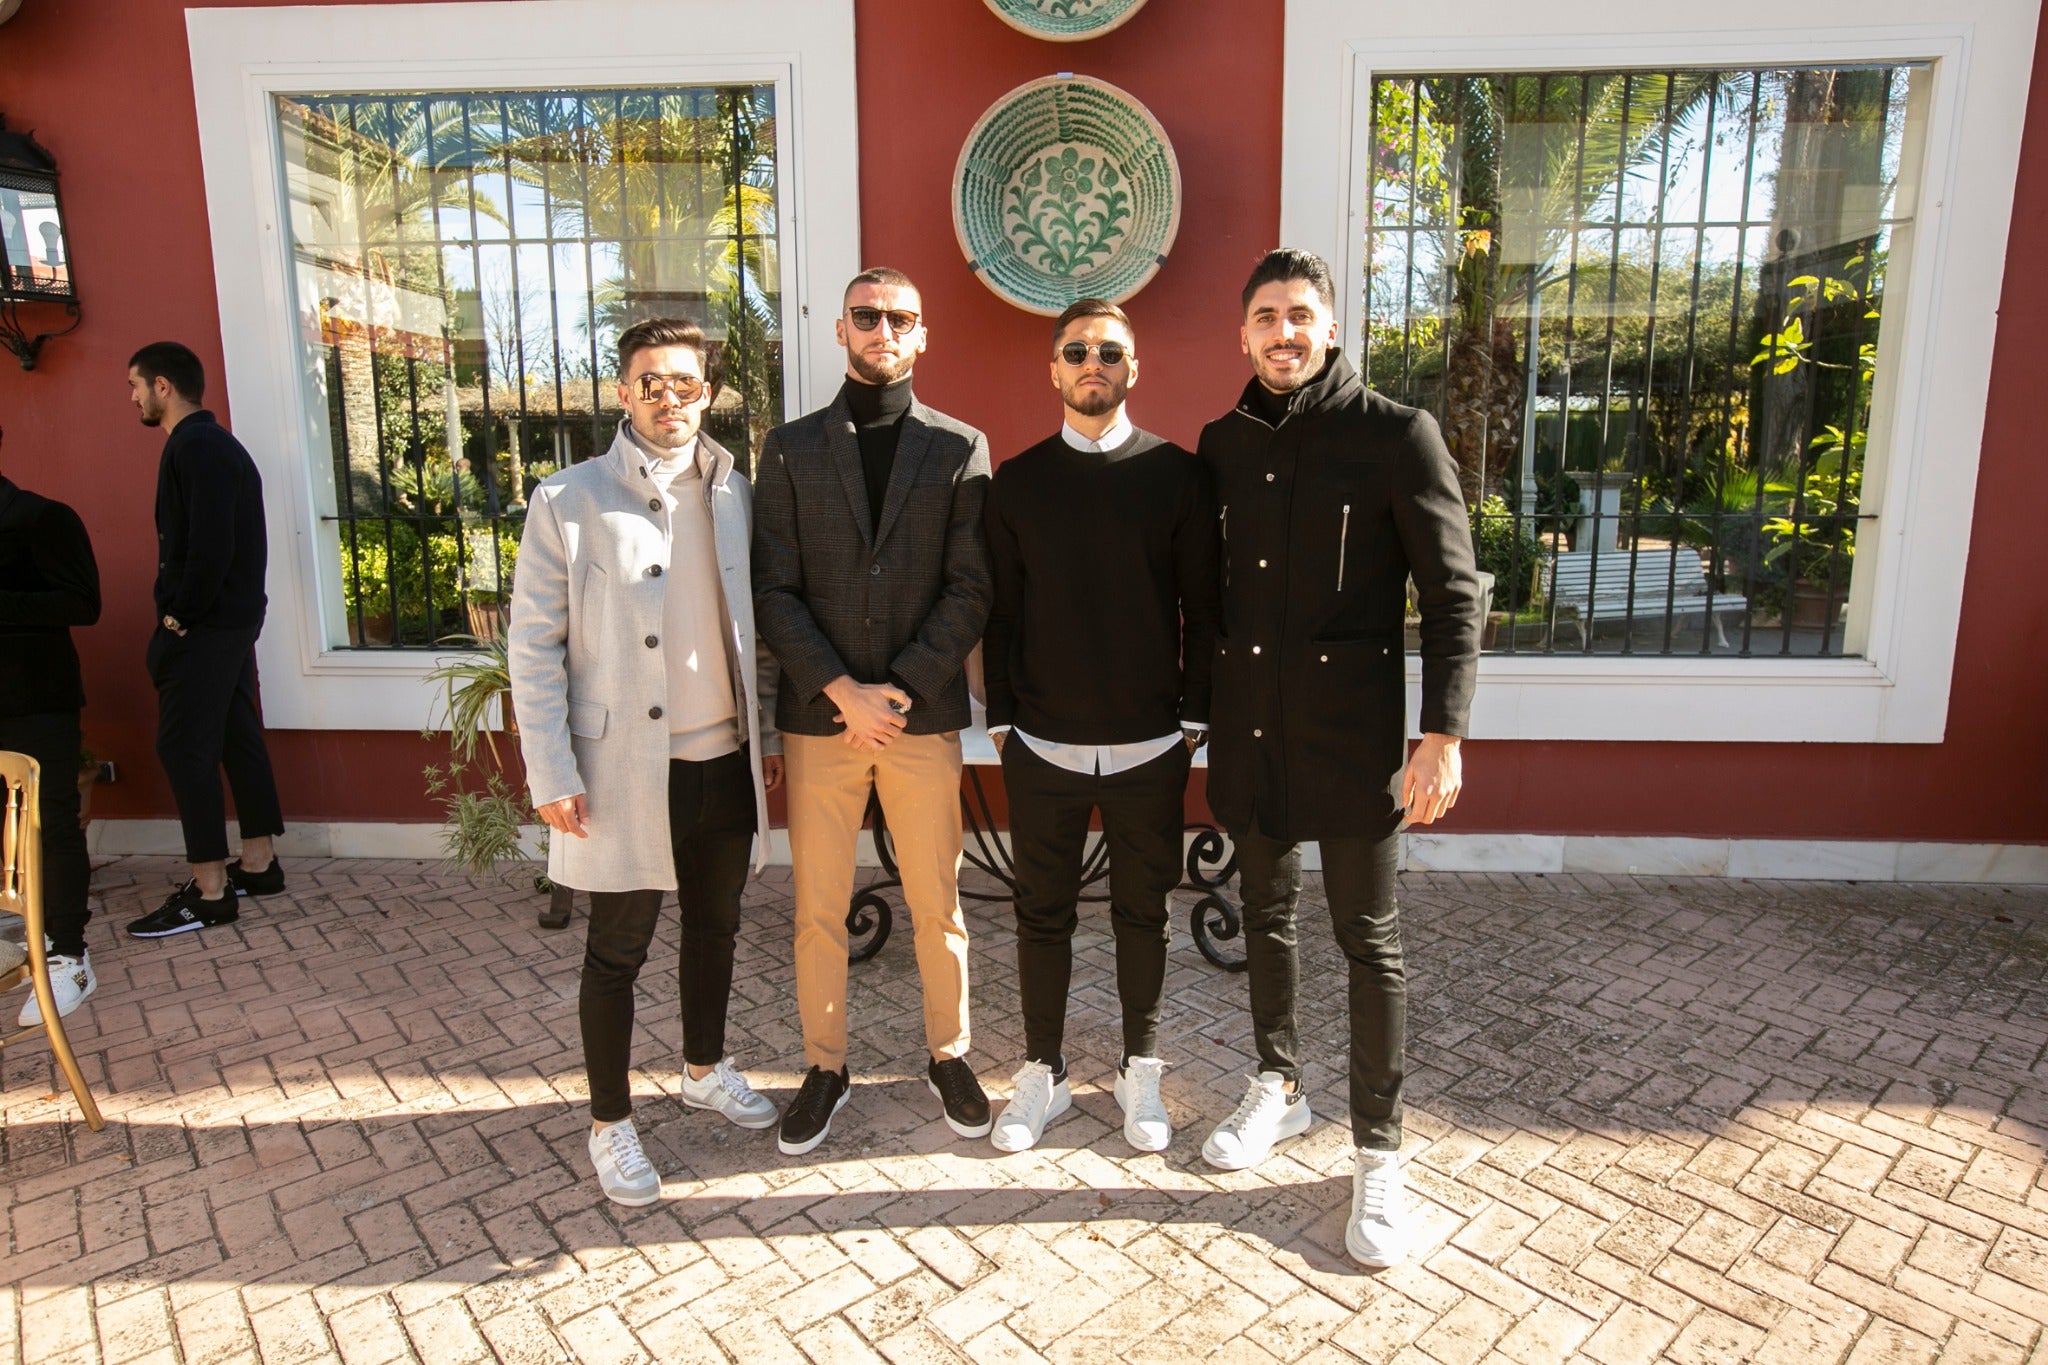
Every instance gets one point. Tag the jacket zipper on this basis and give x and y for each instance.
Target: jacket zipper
(1343, 535)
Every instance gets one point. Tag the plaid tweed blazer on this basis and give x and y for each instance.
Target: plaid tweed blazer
(905, 601)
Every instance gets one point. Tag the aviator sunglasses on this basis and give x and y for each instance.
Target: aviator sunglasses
(1076, 352)
(686, 387)
(867, 319)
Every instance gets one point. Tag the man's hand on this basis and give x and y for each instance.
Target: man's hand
(771, 771)
(1435, 775)
(570, 815)
(871, 712)
(996, 737)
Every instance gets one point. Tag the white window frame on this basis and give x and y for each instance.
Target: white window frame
(243, 57)
(1941, 313)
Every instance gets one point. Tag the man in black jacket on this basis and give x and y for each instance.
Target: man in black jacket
(1102, 540)
(49, 583)
(211, 552)
(871, 587)
(1331, 499)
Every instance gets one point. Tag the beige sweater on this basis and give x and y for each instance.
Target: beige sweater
(703, 718)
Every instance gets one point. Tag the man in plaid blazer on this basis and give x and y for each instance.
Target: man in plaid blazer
(871, 585)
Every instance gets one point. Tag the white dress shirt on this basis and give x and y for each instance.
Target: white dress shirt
(1100, 759)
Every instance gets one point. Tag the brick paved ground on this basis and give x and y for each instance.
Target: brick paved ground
(1697, 1121)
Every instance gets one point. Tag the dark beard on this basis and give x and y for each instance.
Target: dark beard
(1094, 402)
(152, 419)
(878, 375)
(1311, 367)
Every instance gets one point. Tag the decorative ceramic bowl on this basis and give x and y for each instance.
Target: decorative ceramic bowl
(1065, 21)
(1066, 189)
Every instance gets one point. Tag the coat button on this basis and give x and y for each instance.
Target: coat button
(1269, 478)
(652, 641)
(654, 571)
(1255, 649)
(1326, 658)
(1258, 734)
(654, 713)
(654, 504)
(1262, 563)
(874, 568)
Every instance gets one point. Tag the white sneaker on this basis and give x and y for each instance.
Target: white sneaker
(71, 980)
(1376, 1234)
(622, 1168)
(1267, 1114)
(1037, 1097)
(1147, 1126)
(724, 1089)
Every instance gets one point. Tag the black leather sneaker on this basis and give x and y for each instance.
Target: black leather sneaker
(966, 1106)
(268, 882)
(183, 912)
(809, 1116)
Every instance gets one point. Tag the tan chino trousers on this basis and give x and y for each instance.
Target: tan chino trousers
(918, 780)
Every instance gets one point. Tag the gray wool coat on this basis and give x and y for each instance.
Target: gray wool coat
(586, 688)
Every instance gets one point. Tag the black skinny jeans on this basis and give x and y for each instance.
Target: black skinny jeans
(51, 739)
(1358, 881)
(711, 831)
(206, 720)
(1141, 823)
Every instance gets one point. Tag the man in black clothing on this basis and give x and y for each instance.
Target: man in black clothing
(1331, 498)
(49, 583)
(211, 552)
(1102, 544)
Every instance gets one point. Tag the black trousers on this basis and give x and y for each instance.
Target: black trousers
(711, 831)
(51, 739)
(206, 720)
(1358, 880)
(1141, 824)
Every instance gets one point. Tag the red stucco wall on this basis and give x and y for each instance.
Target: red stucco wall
(107, 85)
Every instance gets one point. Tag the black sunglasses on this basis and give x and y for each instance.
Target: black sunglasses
(867, 319)
(1075, 353)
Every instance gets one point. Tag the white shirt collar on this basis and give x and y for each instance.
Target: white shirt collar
(1111, 439)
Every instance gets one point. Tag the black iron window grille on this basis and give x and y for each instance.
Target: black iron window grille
(464, 265)
(1645, 307)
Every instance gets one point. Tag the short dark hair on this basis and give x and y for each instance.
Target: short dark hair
(1092, 308)
(174, 362)
(1291, 263)
(882, 275)
(649, 333)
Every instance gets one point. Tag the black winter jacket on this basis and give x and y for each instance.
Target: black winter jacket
(49, 582)
(1324, 519)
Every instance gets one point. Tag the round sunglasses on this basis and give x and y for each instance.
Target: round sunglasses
(1075, 353)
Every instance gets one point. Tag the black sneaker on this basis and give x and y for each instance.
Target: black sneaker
(268, 882)
(809, 1116)
(183, 912)
(966, 1106)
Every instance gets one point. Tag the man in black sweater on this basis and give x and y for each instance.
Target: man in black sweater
(49, 583)
(211, 552)
(1103, 545)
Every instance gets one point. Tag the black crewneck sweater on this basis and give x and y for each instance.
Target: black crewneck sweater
(877, 423)
(1105, 568)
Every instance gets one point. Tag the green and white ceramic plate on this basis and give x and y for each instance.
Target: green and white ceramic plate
(1066, 189)
(1065, 21)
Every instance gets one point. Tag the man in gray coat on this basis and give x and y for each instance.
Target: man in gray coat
(640, 690)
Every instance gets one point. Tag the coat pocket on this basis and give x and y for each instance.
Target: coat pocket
(587, 719)
(591, 591)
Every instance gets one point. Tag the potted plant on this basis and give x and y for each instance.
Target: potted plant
(1814, 541)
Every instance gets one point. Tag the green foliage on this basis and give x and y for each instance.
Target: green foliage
(483, 807)
(1816, 537)
(1510, 555)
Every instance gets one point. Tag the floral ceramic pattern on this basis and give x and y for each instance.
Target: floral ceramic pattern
(1065, 21)
(1066, 188)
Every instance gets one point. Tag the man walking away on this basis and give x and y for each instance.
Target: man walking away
(211, 551)
(1331, 497)
(871, 582)
(49, 583)
(1102, 542)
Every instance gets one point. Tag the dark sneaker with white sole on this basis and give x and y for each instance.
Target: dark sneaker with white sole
(809, 1116)
(966, 1106)
(268, 882)
(185, 911)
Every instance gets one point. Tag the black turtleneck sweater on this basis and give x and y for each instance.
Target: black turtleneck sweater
(877, 421)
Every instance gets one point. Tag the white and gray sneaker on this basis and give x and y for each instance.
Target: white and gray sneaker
(1147, 1126)
(622, 1168)
(1376, 1234)
(71, 980)
(1037, 1097)
(724, 1089)
(1267, 1113)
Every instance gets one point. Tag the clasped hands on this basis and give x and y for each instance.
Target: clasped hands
(873, 713)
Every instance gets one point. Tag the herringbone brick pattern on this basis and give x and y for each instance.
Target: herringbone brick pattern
(1695, 1121)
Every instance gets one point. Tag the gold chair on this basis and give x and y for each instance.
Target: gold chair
(21, 895)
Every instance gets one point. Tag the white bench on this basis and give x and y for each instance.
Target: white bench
(1666, 578)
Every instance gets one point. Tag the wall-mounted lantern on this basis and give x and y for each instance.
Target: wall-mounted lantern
(35, 255)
